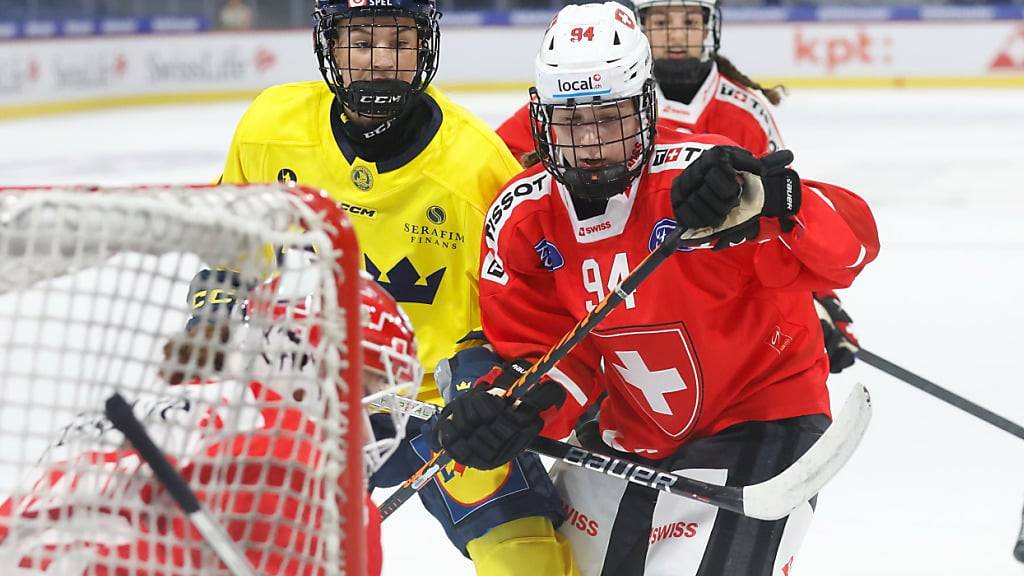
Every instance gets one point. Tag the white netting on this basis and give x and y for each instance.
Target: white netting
(253, 406)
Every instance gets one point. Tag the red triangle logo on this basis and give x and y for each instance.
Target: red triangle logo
(1011, 54)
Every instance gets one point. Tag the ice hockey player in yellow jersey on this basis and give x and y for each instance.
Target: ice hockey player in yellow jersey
(416, 174)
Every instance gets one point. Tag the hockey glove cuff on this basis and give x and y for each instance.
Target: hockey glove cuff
(456, 375)
(840, 343)
(723, 194)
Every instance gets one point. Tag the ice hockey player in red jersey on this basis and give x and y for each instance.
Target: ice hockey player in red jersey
(272, 458)
(700, 91)
(714, 366)
(703, 92)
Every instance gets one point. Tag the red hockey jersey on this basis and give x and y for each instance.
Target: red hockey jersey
(721, 106)
(725, 107)
(710, 339)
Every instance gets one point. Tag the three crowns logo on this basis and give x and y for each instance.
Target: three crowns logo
(403, 281)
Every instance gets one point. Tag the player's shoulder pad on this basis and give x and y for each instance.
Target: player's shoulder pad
(752, 103)
(286, 113)
(513, 205)
(676, 150)
(513, 202)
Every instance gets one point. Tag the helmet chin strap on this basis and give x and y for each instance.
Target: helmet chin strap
(680, 80)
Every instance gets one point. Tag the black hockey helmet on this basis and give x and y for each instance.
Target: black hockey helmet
(344, 26)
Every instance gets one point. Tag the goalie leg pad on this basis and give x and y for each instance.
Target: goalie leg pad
(625, 529)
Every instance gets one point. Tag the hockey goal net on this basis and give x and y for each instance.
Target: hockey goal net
(256, 403)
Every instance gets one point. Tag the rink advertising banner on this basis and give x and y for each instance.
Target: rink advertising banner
(64, 73)
(40, 75)
(881, 54)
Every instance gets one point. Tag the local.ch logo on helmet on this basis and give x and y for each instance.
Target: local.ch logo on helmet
(590, 86)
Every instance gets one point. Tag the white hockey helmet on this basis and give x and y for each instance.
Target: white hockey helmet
(594, 56)
(593, 52)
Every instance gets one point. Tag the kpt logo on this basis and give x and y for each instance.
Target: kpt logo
(1010, 57)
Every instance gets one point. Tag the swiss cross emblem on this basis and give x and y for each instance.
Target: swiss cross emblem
(656, 366)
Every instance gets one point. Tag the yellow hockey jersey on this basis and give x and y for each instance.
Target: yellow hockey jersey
(419, 218)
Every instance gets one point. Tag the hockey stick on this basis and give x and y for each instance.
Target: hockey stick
(769, 500)
(941, 393)
(546, 362)
(120, 414)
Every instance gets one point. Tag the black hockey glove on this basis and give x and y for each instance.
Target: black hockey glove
(723, 194)
(456, 375)
(199, 352)
(840, 343)
(483, 429)
(213, 294)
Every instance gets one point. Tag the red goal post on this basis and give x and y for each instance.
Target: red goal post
(94, 287)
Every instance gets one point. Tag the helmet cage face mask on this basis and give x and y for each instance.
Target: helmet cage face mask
(596, 149)
(391, 371)
(663, 19)
(390, 377)
(685, 36)
(369, 58)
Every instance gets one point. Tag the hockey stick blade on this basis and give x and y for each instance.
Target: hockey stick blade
(770, 500)
(120, 414)
(778, 496)
(533, 374)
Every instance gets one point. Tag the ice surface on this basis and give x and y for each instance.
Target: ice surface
(932, 491)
